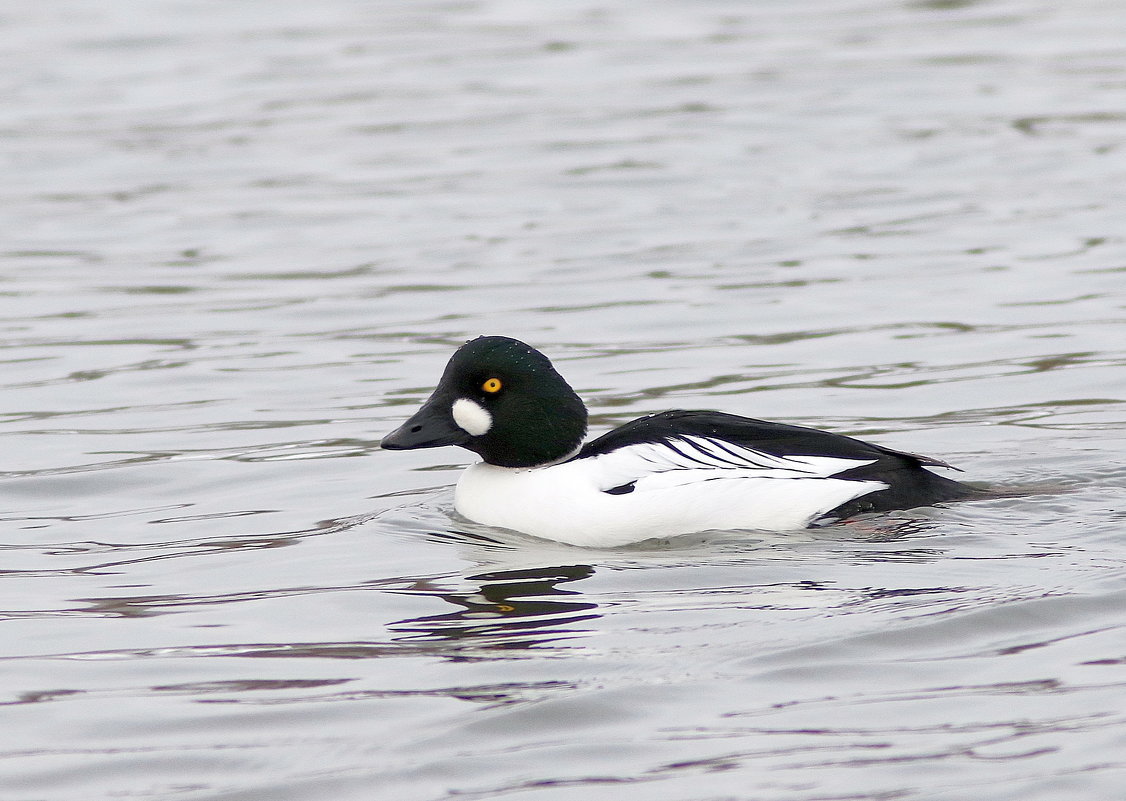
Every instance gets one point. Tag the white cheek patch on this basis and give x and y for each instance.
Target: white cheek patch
(471, 417)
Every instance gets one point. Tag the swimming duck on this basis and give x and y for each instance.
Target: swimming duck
(672, 473)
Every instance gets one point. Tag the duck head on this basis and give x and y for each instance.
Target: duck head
(503, 400)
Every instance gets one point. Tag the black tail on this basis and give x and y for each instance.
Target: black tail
(908, 487)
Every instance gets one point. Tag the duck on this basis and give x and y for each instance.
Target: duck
(659, 476)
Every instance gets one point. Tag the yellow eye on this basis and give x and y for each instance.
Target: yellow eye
(492, 386)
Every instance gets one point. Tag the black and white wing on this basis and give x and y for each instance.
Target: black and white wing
(688, 458)
(677, 448)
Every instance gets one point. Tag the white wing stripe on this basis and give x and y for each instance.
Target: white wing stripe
(711, 451)
(711, 458)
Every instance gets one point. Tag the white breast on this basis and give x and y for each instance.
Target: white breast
(702, 484)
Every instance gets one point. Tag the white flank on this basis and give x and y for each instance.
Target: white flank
(471, 417)
(700, 484)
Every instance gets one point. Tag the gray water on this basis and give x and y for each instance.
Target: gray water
(238, 242)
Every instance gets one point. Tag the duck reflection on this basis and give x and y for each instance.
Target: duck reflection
(506, 609)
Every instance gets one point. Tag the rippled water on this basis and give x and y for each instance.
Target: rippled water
(240, 241)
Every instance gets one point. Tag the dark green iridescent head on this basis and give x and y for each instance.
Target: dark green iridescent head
(502, 399)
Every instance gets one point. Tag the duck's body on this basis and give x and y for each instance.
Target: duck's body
(681, 472)
(660, 476)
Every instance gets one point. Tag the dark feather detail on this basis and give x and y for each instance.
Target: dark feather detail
(623, 489)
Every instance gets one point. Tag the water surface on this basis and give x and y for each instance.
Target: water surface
(240, 242)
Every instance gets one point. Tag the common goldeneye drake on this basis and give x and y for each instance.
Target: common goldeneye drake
(671, 473)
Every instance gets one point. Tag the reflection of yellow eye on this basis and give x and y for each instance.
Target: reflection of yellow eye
(491, 386)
